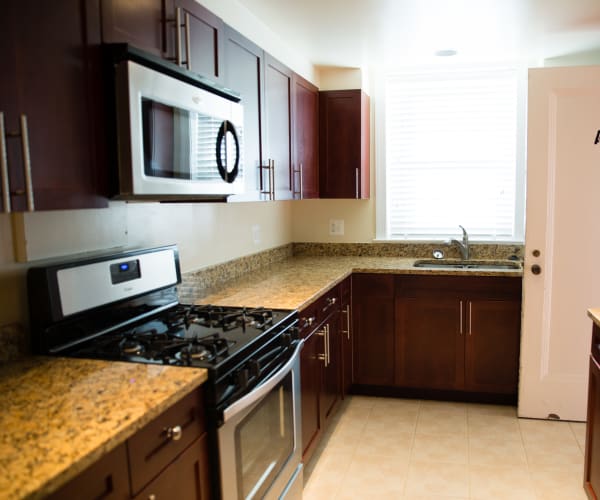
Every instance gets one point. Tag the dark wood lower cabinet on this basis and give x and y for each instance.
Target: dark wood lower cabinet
(373, 328)
(429, 343)
(108, 478)
(492, 345)
(310, 369)
(346, 335)
(185, 478)
(591, 469)
(154, 462)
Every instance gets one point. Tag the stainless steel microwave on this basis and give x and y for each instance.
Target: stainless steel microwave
(176, 141)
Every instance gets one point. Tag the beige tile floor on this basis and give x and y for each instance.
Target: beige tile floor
(380, 448)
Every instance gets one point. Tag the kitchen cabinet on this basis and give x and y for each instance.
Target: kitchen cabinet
(244, 73)
(458, 333)
(373, 329)
(346, 336)
(591, 469)
(344, 142)
(52, 117)
(198, 38)
(305, 124)
(168, 457)
(140, 23)
(276, 173)
(319, 367)
(107, 478)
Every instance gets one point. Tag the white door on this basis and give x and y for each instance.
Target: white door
(563, 225)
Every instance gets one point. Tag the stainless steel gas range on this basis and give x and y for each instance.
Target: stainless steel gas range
(125, 307)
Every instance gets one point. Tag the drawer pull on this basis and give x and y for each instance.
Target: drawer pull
(152, 496)
(174, 433)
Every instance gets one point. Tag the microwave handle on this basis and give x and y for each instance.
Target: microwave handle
(264, 388)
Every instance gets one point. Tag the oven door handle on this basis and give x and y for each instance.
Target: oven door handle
(261, 390)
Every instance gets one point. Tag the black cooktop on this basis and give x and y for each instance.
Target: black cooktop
(189, 335)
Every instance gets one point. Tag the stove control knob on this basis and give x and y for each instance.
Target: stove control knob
(254, 367)
(242, 378)
(286, 340)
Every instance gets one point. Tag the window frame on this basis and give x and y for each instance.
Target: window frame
(381, 221)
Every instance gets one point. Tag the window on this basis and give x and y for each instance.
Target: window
(453, 154)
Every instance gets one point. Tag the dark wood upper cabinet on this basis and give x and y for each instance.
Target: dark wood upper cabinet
(278, 139)
(344, 144)
(244, 73)
(591, 468)
(198, 38)
(141, 23)
(52, 77)
(305, 125)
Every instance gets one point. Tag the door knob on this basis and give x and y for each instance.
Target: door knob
(536, 269)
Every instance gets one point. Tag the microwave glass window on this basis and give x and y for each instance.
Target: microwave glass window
(182, 144)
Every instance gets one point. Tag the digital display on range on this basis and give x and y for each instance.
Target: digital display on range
(125, 271)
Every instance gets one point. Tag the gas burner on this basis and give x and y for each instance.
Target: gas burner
(131, 346)
(194, 352)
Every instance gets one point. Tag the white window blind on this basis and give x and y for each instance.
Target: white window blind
(451, 153)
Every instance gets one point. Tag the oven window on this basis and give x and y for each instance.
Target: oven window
(264, 441)
(178, 143)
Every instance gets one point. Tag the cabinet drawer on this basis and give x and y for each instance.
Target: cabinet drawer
(158, 443)
(327, 304)
(106, 478)
(185, 479)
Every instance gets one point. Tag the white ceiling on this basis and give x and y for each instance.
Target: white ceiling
(364, 32)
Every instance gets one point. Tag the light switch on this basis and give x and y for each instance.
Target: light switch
(336, 227)
(256, 234)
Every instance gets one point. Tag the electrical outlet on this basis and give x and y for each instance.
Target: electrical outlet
(336, 227)
(256, 234)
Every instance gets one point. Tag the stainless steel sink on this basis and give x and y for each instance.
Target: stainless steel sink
(490, 265)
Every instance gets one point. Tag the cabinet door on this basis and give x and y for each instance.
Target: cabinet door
(201, 38)
(344, 144)
(310, 374)
(186, 478)
(330, 389)
(107, 479)
(373, 328)
(52, 59)
(430, 350)
(492, 345)
(244, 73)
(305, 120)
(278, 87)
(346, 336)
(592, 441)
(140, 23)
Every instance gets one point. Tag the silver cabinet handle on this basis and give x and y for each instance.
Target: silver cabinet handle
(461, 317)
(356, 181)
(328, 346)
(4, 167)
(301, 183)
(188, 54)
(27, 163)
(272, 180)
(174, 433)
(24, 134)
(470, 328)
(178, 36)
(346, 311)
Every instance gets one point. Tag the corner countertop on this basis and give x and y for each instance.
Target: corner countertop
(595, 315)
(60, 415)
(296, 282)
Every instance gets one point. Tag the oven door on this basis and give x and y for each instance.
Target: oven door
(259, 441)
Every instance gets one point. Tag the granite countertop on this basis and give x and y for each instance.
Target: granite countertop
(60, 415)
(296, 282)
(595, 315)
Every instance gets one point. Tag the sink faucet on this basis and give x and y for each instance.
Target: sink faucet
(463, 245)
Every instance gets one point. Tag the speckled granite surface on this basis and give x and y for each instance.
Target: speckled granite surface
(297, 281)
(60, 415)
